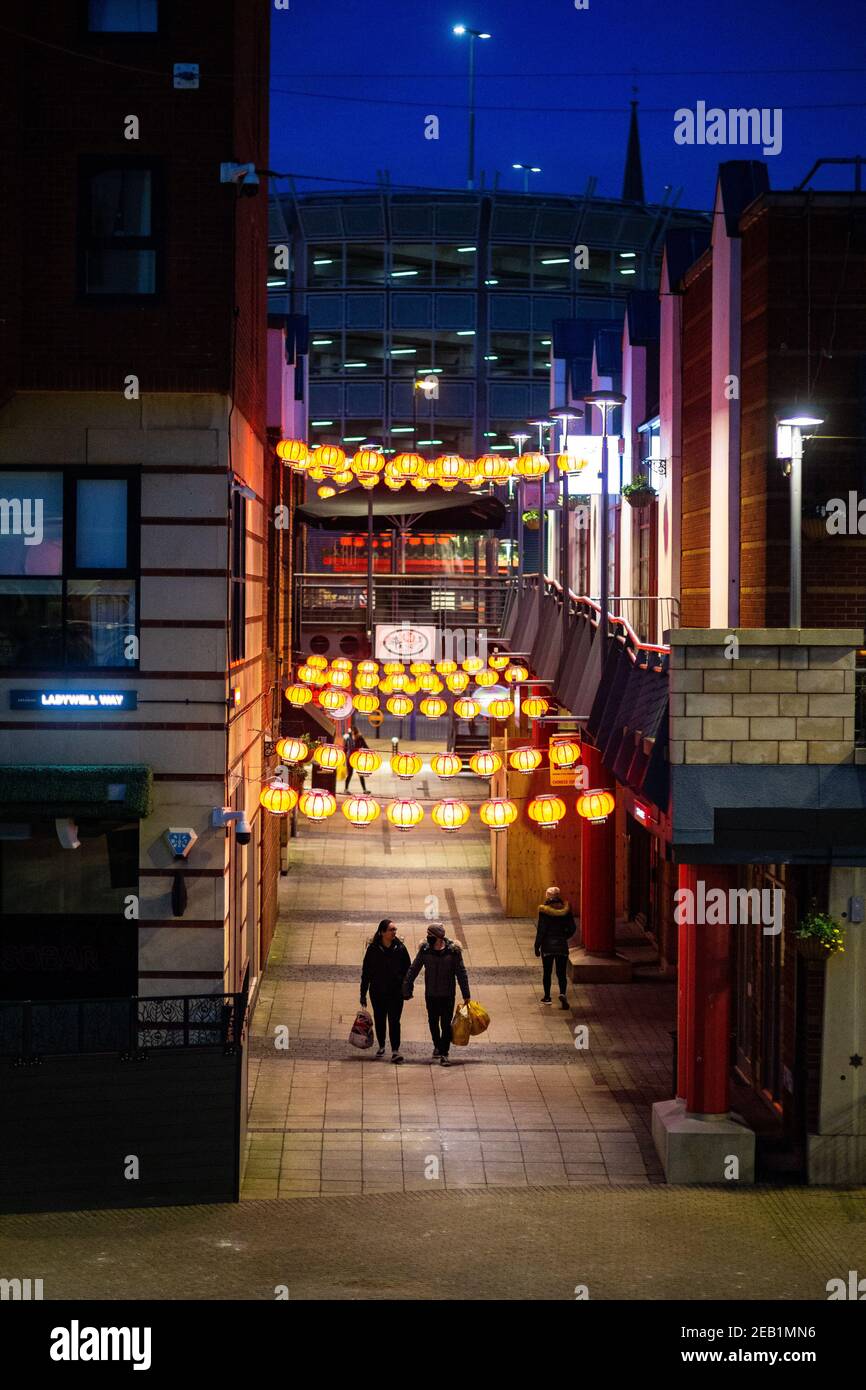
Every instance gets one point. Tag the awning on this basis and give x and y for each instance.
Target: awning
(460, 510)
(116, 791)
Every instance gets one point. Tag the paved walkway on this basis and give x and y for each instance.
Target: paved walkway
(522, 1107)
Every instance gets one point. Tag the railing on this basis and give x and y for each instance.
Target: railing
(648, 617)
(440, 600)
(34, 1028)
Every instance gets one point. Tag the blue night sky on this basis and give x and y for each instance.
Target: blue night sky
(545, 54)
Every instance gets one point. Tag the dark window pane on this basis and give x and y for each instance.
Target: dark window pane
(509, 354)
(100, 615)
(552, 268)
(113, 271)
(123, 16)
(365, 264)
(121, 203)
(100, 524)
(30, 623)
(409, 351)
(365, 355)
(411, 265)
(31, 523)
(510, 266)
(456, 265)
(455, 353)
(324, 266)
(38, 876)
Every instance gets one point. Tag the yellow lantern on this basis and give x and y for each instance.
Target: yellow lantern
(534, 706)
(310, 675)
(446, 666)
(317, 804)
(433, 707)
(498, 813)
(367, 463)
(450, 814)
(278, 798)
(466, 708)
(295, 453)
(365, 761)
(341, 663)
(516, 673)
(410, 686)
(473, 664)
(420, 484)
(498, 662)
(318, 475)
(408, 465)
(393, 483)
(394, 668)
(486, 677)
(368, 480)
(368, 667)
(564, 754)
(430, 682)
(361, 810)
(532, 465)
(299, 695)
(328, 456)
(485, 763)
(400, 705)
(420, 668)
(404, 814)
(292, 750)
(451, 470)
(500, 709)
(399, 680)
(366, 680)
(525, 759)
(340, 680)
(446, 764)
(547, 811)
(328, 756)
(319, 663)
(406, 765)
(457, 682)
(596, 805)
(494, 468)
(570, 464)
(343, 478)
(385, 685)
(365, 704)
(332, 699)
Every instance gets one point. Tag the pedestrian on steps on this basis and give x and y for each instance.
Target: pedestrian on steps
(442, 962)
(386, 962)
(554, 927)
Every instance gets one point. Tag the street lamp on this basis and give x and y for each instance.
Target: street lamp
(541, 425)
(563, 416)
(606, 401)
(460, 30)
(520, 439)
(527, 170)
(789, 447)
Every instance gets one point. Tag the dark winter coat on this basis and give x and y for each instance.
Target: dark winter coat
(443, 971)
(554, 926)
(384, 969)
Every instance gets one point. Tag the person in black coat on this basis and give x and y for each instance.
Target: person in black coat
(554, 927)
(352, 742)
(386, 962)
(442, 963)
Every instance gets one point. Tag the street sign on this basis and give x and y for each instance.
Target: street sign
(375, 718)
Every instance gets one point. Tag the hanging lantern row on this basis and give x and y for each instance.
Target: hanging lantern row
(365, 761)
(405, 813)
(327, 465)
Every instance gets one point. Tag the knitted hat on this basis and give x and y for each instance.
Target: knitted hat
(435, 929)
(551, 894)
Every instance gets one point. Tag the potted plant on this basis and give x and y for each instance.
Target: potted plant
(532, 520)
(640, 492)
(819, 936)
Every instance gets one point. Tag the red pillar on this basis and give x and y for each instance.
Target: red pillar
(598, 868)
(704, 999)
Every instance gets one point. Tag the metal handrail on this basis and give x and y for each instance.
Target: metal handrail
(34, 1028)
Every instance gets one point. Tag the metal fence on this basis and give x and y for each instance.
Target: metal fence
(447, 602)
(30, 1028)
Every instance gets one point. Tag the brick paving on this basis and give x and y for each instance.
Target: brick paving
(522, 1106)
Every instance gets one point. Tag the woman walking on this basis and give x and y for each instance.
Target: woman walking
(554, 927)
(386, 962)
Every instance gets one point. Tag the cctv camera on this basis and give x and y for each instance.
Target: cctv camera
(243, 834)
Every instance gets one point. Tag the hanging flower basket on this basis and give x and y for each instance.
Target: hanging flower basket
(640, 493)
(531, 520)
(819, 936)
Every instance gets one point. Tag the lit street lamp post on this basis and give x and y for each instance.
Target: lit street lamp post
(563, 416)
(460, 30)
(527, 170)
(606, 402)
(789, 447)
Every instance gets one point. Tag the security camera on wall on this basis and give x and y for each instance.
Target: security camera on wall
(223, 816)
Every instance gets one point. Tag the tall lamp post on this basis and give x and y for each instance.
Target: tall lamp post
(520, 440)
(541, 426)
(527, 170)
(789, 448)
(460, 30)
(563, 416)
(606, 401)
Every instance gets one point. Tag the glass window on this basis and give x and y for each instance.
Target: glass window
(456, 265)
(598, 273)
(123, 16)
(39, 877)
(409, 352)
(510, 266)
(31, 623)
(100, 615)
(326, 353)
(455, 353)
(365, 263)
(552, 268)
(541, 349)
(31, 523)
(119, 251)
(365, 355)
(324, 266)
(100, 524)
(411, 264)
(508, 355)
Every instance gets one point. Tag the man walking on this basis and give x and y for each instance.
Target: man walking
(352, 742)
(442, 963)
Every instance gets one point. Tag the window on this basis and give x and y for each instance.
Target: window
(456, 265)
(68, 570)
(510, 266)
(238, 578)
(123, 16)
(409, 352)
(119, 248)
(324, 267)
(365, 264)
(411, 265)
(508, 355)
(455, 353)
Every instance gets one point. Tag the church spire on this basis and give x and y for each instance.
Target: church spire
(632, 181)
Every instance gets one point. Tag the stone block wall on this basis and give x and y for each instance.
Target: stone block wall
(781, 696)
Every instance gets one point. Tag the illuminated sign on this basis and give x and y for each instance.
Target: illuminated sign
(644, 814)
(73, 699)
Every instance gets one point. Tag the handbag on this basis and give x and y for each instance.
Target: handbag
(361, 1032)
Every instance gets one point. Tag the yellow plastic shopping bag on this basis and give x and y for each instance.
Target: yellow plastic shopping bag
(479, 1018)
(461, 1027)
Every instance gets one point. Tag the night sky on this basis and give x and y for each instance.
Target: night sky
(548, 55)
